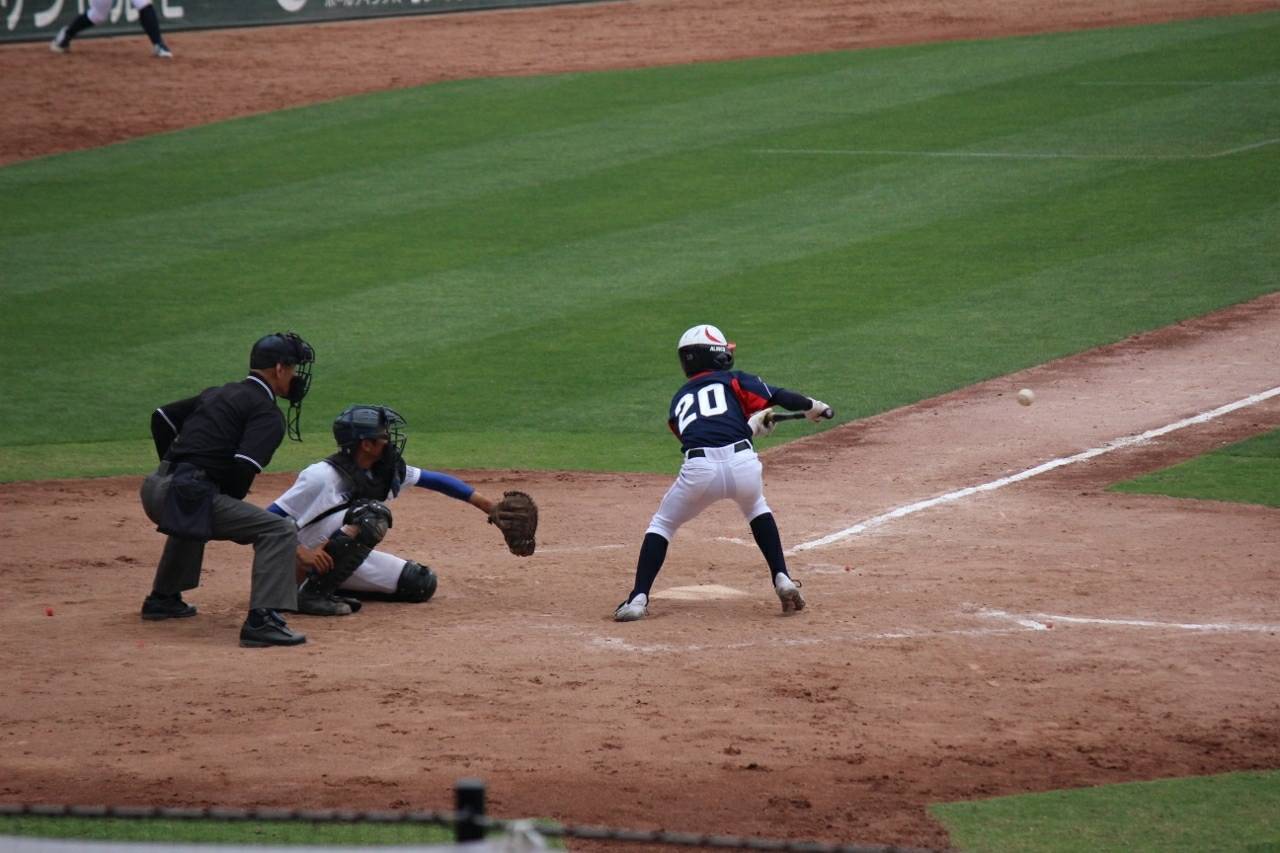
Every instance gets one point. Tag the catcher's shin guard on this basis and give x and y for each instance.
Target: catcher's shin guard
(347, 555)
(417, 582)
(371, 520)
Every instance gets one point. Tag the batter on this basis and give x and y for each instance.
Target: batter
(715, 414)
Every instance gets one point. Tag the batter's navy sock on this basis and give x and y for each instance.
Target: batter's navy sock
(80, 24)
(150, 23)
(769, 541)
(653, 552)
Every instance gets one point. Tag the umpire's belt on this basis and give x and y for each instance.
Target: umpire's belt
(723, 452)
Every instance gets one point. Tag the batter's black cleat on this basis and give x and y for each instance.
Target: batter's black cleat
(159, 606)
(161, 51)
(266, 628)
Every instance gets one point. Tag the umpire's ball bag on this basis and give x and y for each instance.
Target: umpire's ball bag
(188, 507)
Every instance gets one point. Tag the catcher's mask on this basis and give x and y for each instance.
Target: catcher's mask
(287, 348)
(705, 347)
(356, 423)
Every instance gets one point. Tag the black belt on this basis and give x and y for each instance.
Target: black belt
(699, 451)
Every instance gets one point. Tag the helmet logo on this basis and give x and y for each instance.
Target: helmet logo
(706, 330)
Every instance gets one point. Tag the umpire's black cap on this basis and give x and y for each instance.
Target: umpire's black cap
(280, 348)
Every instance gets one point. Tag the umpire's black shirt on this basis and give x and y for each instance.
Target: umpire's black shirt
(231, 432)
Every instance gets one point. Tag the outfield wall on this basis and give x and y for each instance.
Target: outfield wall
(30, 20)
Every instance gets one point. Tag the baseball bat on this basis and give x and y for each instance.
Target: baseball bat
(795, 416)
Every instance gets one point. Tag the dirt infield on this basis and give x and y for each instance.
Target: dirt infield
(1043, 635)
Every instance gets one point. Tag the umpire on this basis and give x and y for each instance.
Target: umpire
(211, 447)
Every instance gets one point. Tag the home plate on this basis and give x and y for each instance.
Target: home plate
(702, 592)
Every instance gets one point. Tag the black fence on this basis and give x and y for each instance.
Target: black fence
(469, 822)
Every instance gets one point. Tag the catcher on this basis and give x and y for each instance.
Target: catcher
(339, 505)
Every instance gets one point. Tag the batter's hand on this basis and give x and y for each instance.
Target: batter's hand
(818, 411)
(761, 423)
(315, 559)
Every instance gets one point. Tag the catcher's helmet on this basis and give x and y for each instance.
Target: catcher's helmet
(359, 422)
(705, 347)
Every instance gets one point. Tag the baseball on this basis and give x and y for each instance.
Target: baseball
(1026, 396)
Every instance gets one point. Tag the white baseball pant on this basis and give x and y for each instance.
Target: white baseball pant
(721, 473)
(380, 572)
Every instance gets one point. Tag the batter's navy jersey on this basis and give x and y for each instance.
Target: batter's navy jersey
(711, 409)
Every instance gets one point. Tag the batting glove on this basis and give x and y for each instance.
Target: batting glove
(761, 423)
(818, 411)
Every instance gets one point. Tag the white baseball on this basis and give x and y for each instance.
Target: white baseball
(1026, 396)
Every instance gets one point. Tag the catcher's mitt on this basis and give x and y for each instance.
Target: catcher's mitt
(516, 515)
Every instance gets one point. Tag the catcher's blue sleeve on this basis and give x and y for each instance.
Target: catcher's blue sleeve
(442, 483)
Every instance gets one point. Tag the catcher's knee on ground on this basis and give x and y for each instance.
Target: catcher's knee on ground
(417, 582)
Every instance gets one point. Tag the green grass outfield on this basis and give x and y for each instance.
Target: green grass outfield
(1231, 812)
(1246, 472)
(511, 261)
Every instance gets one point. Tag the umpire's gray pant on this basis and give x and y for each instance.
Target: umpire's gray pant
(274, 539)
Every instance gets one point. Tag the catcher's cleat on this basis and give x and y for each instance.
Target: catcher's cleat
(788, 593)
(354, 603)
(313, 602)
(60, 44)
(630, 611)
(157, 606)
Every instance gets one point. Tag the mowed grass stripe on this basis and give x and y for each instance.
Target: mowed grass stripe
(501, 247)
(442, 149)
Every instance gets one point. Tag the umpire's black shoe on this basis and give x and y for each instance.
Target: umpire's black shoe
(160, 606)
(266, 628)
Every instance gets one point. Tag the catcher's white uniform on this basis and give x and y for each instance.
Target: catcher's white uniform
(320, 487)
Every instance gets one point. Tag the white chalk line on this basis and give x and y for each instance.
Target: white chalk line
(959, 494)
(970, 155)
(1242, 148)
(1042, 621)
(618, 644)
(1033, 622)
(579, 549)
(1011, 155)
(1180, 83)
